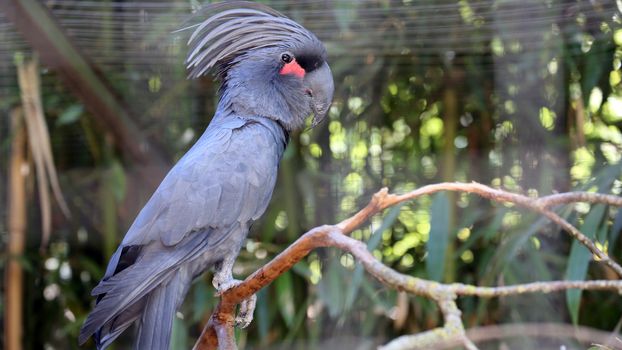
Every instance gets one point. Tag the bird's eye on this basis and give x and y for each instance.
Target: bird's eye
(286, 57)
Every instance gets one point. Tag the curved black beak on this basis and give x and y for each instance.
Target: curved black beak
(321, 87)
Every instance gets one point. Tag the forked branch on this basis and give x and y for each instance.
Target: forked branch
(218, 333)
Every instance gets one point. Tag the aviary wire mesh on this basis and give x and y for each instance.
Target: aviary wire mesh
(133, 44)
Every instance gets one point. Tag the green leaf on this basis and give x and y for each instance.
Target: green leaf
(202, 299)
(537, 266)
(601, 234)
(285, 297)
(468, 219)
(262, 315)
(302, 269)
(118, 180)
(70, 115)
(332, 287)
(492, 230)
(301, 315)
(372, 243)
(595, 72)
(512, 243)
(615, 229)
(580, 258)
(439, 236)
(179, 336)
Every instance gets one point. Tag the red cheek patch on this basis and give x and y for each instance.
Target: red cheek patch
(293, 68)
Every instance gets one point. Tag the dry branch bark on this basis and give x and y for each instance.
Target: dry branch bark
(218, 333)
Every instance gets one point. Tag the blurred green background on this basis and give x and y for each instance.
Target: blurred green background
(523, 95)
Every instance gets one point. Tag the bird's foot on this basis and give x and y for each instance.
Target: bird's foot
(246, 311)
(247, 306)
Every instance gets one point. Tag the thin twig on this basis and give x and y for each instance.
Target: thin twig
(523, 201)
(574, 197)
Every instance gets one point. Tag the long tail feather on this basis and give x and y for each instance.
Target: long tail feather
(156, 323)
(122, 297)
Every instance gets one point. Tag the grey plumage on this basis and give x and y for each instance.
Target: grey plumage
(200, 214)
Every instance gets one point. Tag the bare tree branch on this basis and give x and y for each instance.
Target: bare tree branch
(523, 201)
(585, 335)
(573, 197)
(218, 333)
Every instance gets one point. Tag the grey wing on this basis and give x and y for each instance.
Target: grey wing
(226, 186)
(225, 179)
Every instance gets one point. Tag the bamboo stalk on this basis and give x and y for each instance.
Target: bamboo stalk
(18, 167)
(448, 170)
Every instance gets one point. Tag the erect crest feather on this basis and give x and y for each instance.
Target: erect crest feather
(237, 27)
